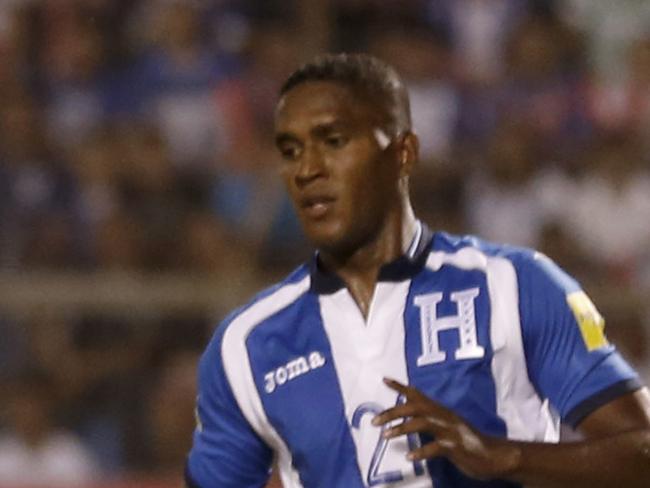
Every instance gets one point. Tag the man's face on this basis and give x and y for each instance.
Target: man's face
(338, 166)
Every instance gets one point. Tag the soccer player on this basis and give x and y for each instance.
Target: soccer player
(398, 356)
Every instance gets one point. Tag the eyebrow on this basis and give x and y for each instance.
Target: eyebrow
(318, 129)
(283, 137)
(327, 127)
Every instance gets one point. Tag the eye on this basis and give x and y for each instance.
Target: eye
(336, 140)
(289, 152)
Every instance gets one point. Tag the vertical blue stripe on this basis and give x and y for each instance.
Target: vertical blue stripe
(307, 411)
(465, 386)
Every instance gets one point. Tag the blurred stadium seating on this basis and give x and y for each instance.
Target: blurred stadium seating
(138, 198)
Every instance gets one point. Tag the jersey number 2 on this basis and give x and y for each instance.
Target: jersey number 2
(375, 477)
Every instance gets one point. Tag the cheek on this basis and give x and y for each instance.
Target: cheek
(371, 186)
(287, 180)
(364, 203)
(284, 173)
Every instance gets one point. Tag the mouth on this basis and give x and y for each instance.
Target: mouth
(316, 206)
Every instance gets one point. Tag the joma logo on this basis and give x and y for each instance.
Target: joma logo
(291, 370)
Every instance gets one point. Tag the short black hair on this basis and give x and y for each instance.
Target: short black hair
(373, 79)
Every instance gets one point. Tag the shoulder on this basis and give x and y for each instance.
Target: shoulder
(529, 265)
(263, 306)
(221, 365)
(450, 243)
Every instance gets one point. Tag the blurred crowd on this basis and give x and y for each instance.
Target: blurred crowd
(136, 136)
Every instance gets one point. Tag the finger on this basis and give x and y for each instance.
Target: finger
(418, 424)
(394, 384)
(430, 450)
(407, 391)
(412, 393)
(424, 408)
(410, 409)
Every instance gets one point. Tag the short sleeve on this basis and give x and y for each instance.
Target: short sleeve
(226, 452)
(568, 357)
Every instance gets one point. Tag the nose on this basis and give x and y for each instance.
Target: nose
(311, 167)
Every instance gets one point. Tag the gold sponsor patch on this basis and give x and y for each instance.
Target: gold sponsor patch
(591, 323)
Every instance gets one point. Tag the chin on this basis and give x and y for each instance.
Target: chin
(325, 243)
(327, 238)
(333, 243)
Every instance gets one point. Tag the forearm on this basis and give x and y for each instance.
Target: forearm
(620, 460)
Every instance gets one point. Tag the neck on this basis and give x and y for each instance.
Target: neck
(360, 268)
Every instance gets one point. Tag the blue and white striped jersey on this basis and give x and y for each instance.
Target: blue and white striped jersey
(498, 334)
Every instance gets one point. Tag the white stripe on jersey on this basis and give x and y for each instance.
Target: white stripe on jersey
(517, 401)
(240, 375)
(365, 352)
(525, 415)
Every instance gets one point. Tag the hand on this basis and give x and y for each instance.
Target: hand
(477, 455)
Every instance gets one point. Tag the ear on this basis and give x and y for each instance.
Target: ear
(408, 148)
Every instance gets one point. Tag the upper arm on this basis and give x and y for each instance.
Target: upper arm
(628, 412)
(226, 451)
(568, 357)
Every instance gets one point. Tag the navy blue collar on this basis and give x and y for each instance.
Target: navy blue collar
(403, 268)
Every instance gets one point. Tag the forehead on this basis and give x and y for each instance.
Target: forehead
(314, 103)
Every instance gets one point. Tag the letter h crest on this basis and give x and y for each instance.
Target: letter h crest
(464, 322)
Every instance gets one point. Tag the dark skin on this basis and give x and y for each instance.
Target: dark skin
(347, 175)
(329, 144)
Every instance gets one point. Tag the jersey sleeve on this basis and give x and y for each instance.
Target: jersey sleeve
(568, 357)
(226, 451)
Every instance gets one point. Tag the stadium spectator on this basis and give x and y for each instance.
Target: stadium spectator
(170, 413)
(425, 58)
(612, 199)
(177, 76)
(609, 29)
(38, 192)
(34, 449)
(75, 73)
(623, 103)
(512, 192)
